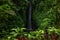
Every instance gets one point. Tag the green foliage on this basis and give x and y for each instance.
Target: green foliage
(13, 18)
(45, 10)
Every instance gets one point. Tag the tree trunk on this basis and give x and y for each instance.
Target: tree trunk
(28, 16)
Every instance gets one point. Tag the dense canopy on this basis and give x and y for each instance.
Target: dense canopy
(45, 14)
